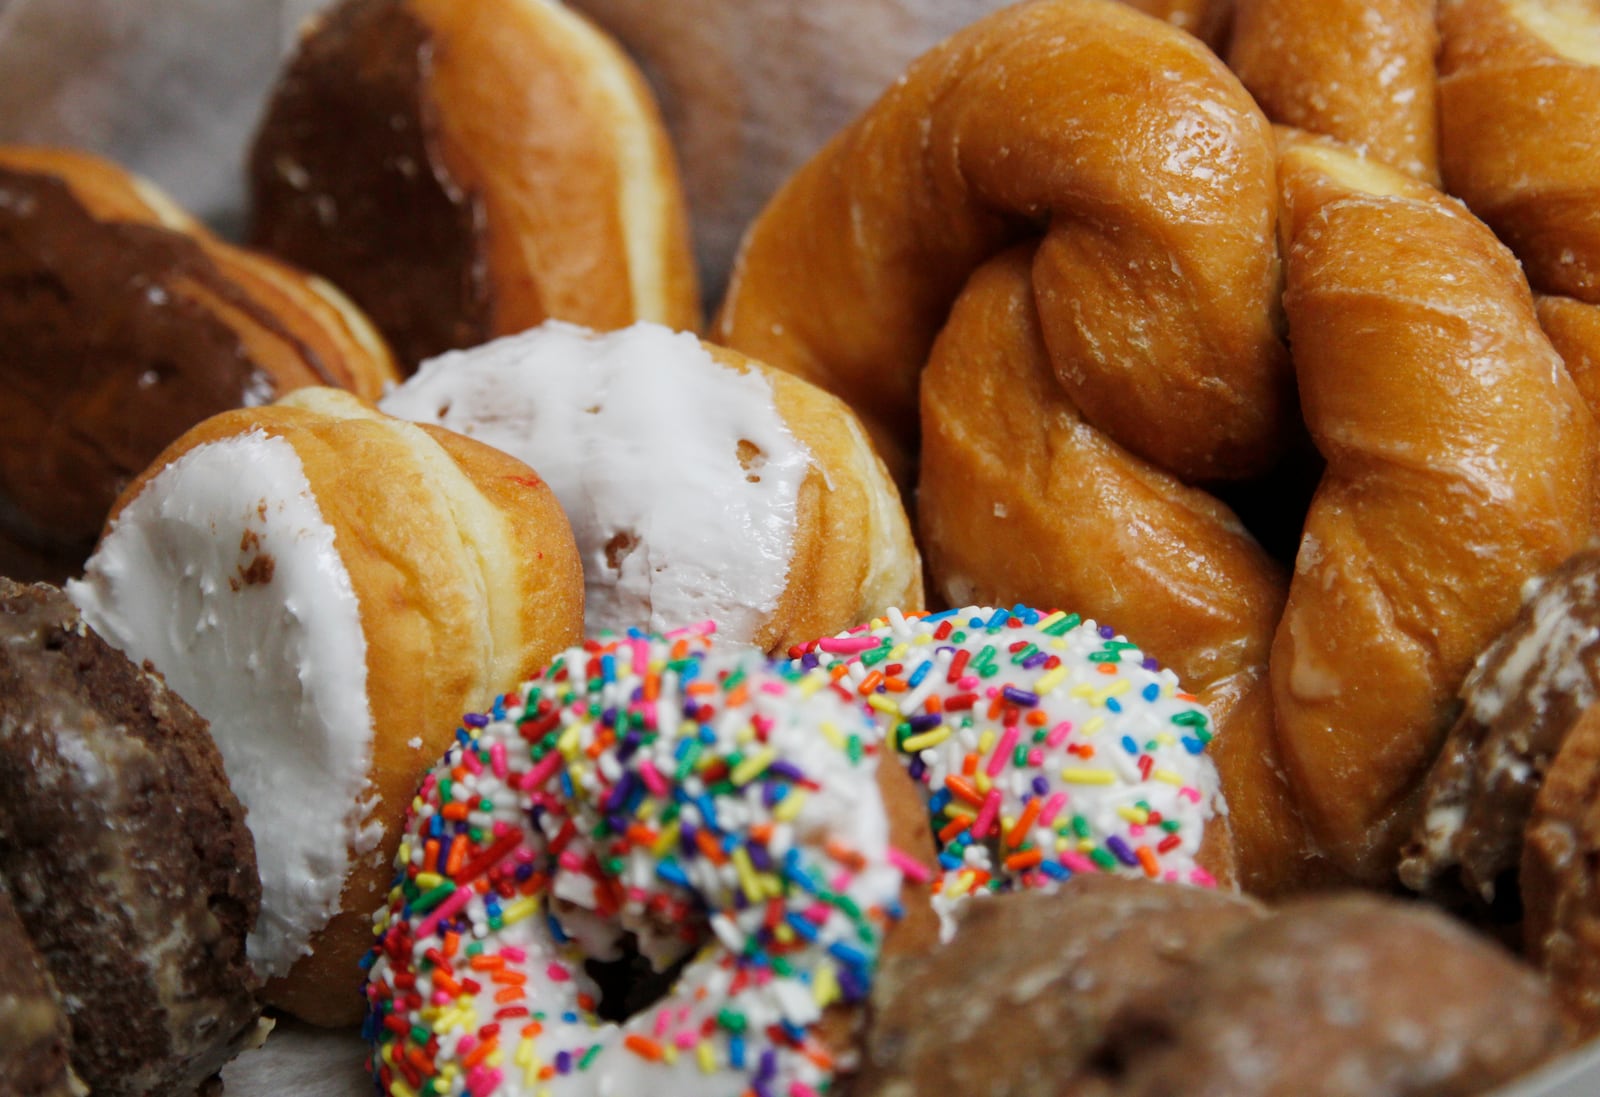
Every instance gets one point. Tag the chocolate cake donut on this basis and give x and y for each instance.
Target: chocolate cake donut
(126, 855)
(34, 1038)
(1116, 987)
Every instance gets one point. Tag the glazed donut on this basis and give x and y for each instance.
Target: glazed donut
(1156, 283)
(1050, 746)
(127, 862)
(1525, 692)
(1359, 71)
(331, 587)
(125, 323)
(1519, 116)
(1020, 499)
(466, 171)
(700, 484)
(1211, 21)
(1123, 988)
(1460, 463)
(659, 795)
(1573, 328)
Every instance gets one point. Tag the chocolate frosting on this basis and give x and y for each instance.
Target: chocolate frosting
(126, 854)
(110, 352)
(347, 180)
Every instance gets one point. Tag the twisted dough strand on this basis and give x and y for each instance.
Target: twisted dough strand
(1138, 157)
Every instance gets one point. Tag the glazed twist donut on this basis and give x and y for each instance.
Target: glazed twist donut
(1519, 114)
(1356, 70)
(660, 796)
(1140, 161)
(1460, 463)
(1496, 97)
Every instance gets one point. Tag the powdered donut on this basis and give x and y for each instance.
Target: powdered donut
(1052, 746)
(690, 798)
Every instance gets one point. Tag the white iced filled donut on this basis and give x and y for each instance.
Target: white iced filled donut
(700, 484)
(1050, 746)
(646, 793)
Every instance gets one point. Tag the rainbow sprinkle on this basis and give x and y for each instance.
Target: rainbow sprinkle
(1049, 745)
(649, 790)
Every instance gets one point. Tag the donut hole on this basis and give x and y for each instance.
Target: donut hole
(752, 458)
(630, 984)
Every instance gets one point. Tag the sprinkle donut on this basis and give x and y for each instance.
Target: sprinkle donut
(653, 793)
(1050, 746)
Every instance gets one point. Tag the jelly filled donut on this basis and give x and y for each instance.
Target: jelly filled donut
(687, 797)
(1052, 746)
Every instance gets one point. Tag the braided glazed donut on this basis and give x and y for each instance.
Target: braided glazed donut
(1519, 115)
(1050, 745)
(330, 587)
(1361, 71)
(1156, 282)
(658, 788)
(1460, 463)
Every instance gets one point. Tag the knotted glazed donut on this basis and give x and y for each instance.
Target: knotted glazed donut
(1498, 98)
(1139, 161)
(659, 796)
(1460, 463)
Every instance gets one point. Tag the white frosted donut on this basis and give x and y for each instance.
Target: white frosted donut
(1050, 745)
(691, 797)
(700, 484)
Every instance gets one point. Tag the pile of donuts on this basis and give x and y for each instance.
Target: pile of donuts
(1106, 603)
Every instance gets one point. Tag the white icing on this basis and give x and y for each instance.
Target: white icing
(639, 433)
(277, 665)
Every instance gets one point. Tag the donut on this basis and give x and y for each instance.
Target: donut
(700, 484)
(35, 1055)
(658, 795)
(1460, 464)
(1573, 328)
(1051, 746)
(127, 861)
(126, 324)
(1078, 124)
(331, 588)
(466, 172)
(1559, 887)
(1519, 110)
(1525, 692)
(1359, 71)
(1122, 987)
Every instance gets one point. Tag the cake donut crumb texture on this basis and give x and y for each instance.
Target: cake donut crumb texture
(125, 852)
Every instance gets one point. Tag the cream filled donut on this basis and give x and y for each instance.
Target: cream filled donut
(689, 796)
(700, 484)
(331, 588)
(1050, 746)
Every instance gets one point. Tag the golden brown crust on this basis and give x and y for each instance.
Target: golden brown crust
(463, 563)
(1519, 115)
(1157, 284)
(528, 175)
(1360, 71)
(1460, 462)
(1208, 20)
